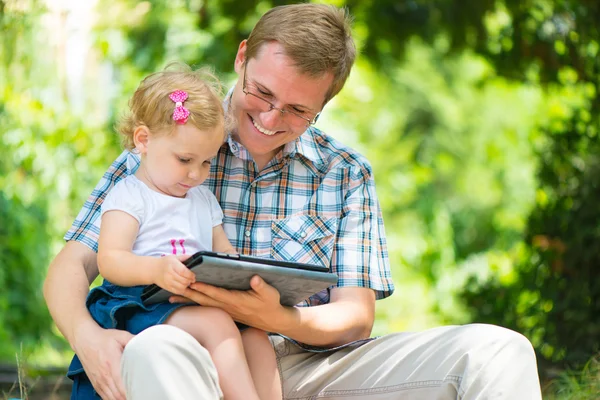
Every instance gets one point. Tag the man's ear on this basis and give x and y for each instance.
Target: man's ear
(141, 136)
(240, 57)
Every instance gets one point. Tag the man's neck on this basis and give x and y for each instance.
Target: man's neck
(263, 159)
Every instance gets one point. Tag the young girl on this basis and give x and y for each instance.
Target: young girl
(156, 218)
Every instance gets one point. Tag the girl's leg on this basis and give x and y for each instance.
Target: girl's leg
(262, 363)
(214, 329)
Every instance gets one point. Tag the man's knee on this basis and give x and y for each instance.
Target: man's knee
(162, 342)
(498, 343)
(168, 363)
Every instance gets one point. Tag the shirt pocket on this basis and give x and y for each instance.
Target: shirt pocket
(306, 239)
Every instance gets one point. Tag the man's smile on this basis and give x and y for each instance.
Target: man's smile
(261, 129)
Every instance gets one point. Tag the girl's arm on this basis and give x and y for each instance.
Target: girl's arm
(220, 242)
(118, 264)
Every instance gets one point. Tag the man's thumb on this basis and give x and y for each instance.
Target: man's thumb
(257, 283)
(123, 337)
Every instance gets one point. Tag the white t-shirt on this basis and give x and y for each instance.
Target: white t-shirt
(168, 225)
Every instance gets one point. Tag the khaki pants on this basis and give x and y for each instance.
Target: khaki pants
(457, 362)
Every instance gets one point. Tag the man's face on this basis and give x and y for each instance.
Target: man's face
(272, 76)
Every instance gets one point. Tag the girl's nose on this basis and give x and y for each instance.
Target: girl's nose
(193, 174)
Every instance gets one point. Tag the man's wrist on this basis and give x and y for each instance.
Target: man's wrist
(82, 329)
(286, 321)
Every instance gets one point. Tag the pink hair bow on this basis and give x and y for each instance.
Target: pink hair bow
(181, 114)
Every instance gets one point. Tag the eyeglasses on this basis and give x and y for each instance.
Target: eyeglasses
(288, 113)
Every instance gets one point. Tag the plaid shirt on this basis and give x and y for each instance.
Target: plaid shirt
(315, 202)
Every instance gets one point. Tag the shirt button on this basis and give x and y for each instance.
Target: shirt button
(303, 234)
(247, 233)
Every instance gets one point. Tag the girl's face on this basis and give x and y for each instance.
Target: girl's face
(174, 163)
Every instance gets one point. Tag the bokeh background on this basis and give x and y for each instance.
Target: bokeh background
(480, 118)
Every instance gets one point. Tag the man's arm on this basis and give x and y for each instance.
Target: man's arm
(99, 350)
(348, 316)
(66, 287)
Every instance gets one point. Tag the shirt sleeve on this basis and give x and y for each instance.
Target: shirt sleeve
(360, 256)
(216, 211)
(126, 196)
(86, 227)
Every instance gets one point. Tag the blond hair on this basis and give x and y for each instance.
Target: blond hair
(317, 37)
(151, 106)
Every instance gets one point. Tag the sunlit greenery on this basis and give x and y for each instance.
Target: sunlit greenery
(480, 119)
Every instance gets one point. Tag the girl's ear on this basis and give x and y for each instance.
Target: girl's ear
(141, 136)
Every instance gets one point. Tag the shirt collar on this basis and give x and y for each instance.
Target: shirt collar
(132, 162)
(306, 146)
(236, 148)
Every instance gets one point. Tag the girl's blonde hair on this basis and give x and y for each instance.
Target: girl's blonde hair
(151, 106)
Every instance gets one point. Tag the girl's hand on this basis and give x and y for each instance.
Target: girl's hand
(172, 275)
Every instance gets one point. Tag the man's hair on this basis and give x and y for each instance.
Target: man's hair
(151, 106)
(317, 37)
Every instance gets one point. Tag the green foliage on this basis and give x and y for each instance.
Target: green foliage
(550, 292)
(555, 298)
(455, 175)
(23, 235)
(23, 257)
(43, 176)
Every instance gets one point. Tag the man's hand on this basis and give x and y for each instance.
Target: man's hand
(172, 275)
(100, 351)
(258, 307)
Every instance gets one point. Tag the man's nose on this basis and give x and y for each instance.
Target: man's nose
(272, 117)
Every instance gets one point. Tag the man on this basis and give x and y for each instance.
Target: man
(290, 192)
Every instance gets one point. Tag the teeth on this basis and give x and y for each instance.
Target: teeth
(263, 130)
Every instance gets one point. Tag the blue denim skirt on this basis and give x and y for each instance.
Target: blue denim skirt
(116, 307)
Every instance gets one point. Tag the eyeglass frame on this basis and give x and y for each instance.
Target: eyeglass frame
(272, 106)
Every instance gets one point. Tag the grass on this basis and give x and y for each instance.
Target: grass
(577, 385)
(23, 394)
(31, 385)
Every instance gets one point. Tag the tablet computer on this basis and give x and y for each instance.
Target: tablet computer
(294, 281)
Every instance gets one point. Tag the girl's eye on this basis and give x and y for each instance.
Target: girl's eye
(184, 160)
(207, 162)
